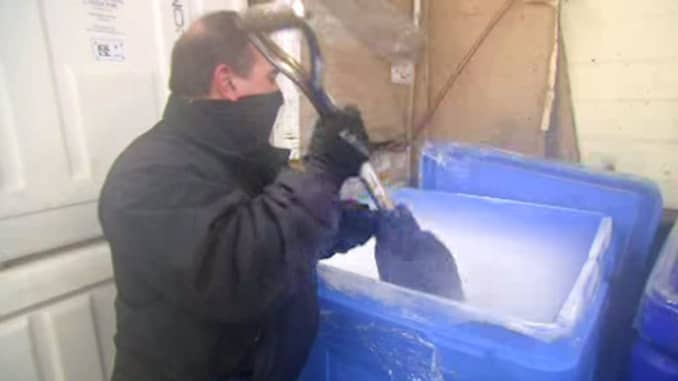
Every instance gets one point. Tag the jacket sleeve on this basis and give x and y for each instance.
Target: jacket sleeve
(214, 250)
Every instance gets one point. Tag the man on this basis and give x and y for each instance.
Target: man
(214, 239)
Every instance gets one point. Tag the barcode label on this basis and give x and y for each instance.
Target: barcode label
(108, 50)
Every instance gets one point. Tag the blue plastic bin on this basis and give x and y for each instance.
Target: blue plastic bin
(657, 320)
(532, 325)
(600, 225)
(634, 204)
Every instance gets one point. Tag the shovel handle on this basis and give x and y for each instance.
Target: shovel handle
(261, 20)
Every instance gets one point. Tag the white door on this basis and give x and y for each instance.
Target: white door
(79, 79)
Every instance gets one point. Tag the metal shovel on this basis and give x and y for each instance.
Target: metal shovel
(260, 21)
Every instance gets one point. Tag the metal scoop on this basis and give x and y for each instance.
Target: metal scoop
(260, 21)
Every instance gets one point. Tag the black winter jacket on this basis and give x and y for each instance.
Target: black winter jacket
(214, 244)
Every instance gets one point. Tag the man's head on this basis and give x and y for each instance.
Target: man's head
(214, 59)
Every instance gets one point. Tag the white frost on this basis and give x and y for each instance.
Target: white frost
(516, 260)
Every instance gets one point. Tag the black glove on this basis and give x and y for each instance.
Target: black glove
(357, 224)
(410, 257)
(339, 144)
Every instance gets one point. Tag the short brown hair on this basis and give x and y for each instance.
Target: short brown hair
(212, 40)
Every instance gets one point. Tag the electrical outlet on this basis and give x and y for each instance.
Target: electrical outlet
(402, 73)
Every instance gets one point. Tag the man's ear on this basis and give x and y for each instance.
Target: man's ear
(222, 86)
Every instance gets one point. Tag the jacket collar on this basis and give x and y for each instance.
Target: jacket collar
(221, 128)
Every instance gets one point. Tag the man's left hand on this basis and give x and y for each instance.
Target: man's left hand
(357, 225)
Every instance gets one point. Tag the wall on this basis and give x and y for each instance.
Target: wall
(623, 62)
(499, 99)
(500, 96)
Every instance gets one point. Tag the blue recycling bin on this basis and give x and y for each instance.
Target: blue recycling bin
(655, 354)
(546, 253)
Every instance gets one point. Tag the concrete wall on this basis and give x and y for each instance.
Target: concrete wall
(623, 61)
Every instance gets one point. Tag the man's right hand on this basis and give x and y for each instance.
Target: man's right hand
(339, 144)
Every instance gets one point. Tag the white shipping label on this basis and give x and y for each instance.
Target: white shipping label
(103, 16)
